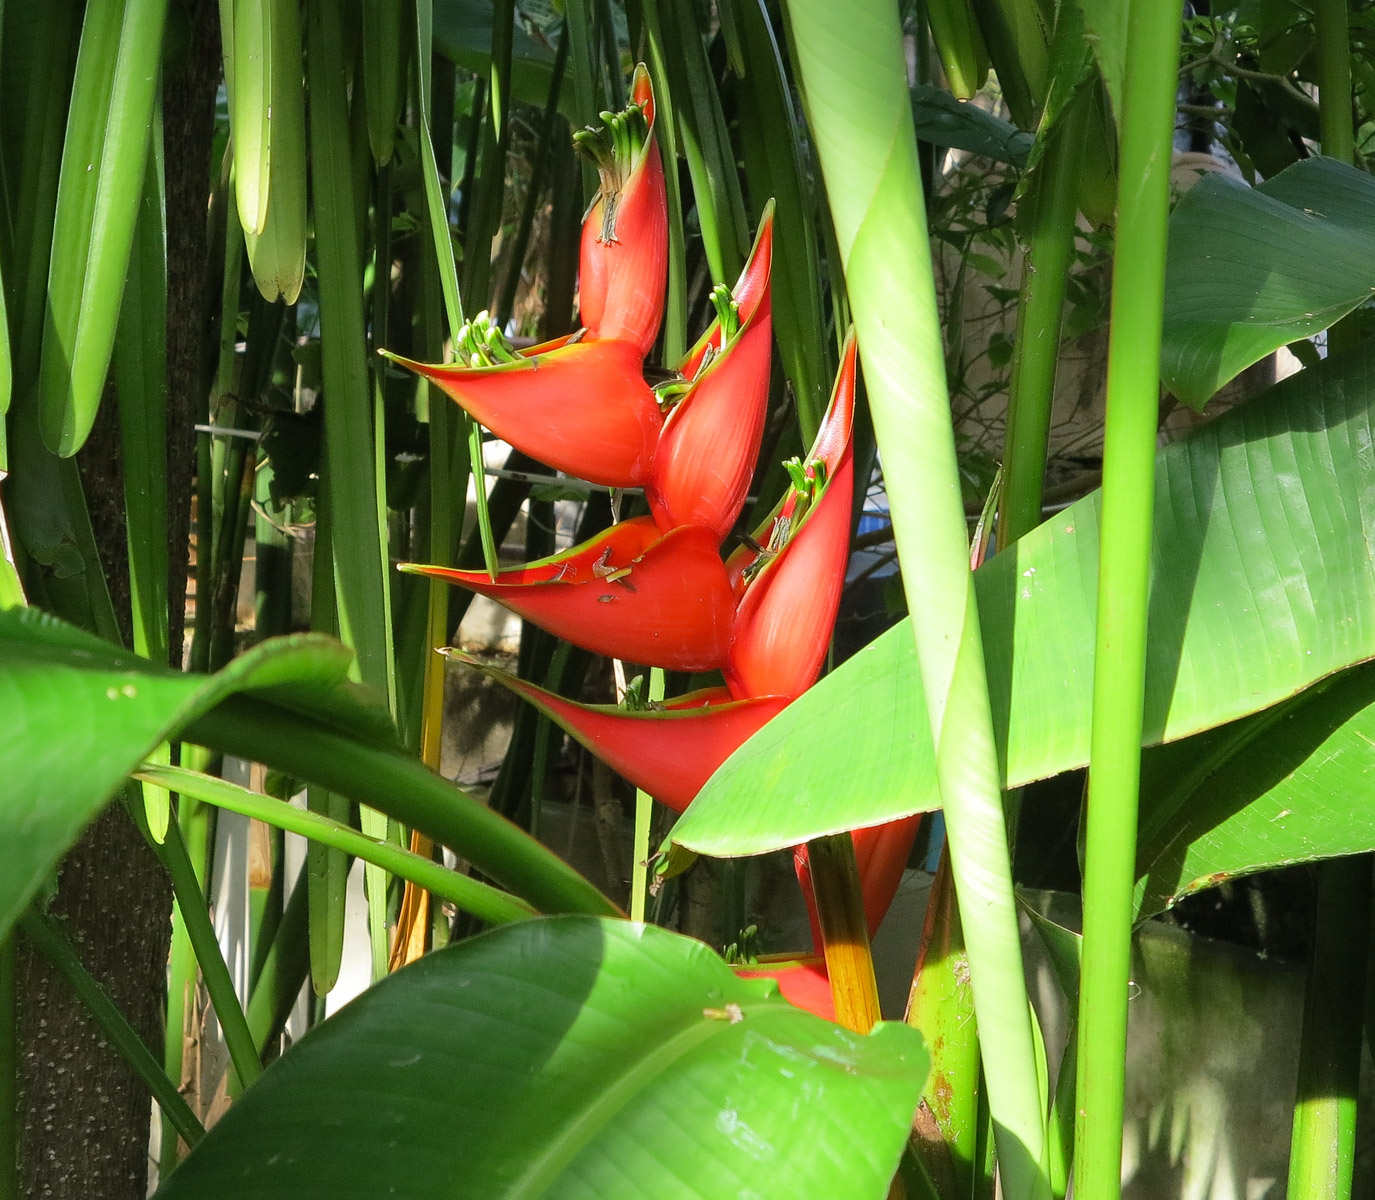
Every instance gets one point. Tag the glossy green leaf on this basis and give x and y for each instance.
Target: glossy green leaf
(97, 204)
(569, 1058)
(58, 685)
(1284, 786)
(1252, 269)
(1262, 585)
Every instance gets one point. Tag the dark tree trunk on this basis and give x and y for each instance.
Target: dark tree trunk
(85, 1117)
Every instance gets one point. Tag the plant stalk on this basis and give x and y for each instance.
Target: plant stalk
(1045, 272)
(844, 932)
(1148, 117)
(1323, 1142)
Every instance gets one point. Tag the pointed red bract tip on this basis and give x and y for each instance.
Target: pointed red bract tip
(804, 984)
(665, 604)
(881, 853)
(623, 258)
(707, 451)
(669, 754)
(784, 621)
(750, 291)
(581, 407)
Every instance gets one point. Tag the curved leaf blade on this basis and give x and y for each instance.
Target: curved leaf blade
(1252, 269)
(601, 1059)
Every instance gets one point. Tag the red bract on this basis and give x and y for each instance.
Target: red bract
(803, 982)
(784, 622)
(630, 592)
(881, 852)
(669, 752)
(709, 445)
(623, 261)
(580, 406)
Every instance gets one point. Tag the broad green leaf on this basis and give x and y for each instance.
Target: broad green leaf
(1262, 585)
(1253, 269)
(1277, 788)
(80, 715)
(1106, 23)
(569, 1058)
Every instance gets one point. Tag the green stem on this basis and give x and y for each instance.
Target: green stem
(9, 1070)
(1045, 272)
(404, 788)
(644, 811)
(1148, 116)
(947, 1126)
(283, 974)
(480, 899)
(1323, 1144)
(1334, 80)
(195, 911)
(45, 936)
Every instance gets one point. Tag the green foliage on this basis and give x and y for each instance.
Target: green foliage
(596, 1059)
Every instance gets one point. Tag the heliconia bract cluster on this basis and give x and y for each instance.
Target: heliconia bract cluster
(655, 590)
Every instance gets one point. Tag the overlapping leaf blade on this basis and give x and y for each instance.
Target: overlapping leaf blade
(1263, 584)
(1252, 269)
(599, 1059)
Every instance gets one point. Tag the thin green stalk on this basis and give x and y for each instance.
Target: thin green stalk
(1060, 1138)
(200, 930)
(47, 938)
(484, 221)
(1323, 1141)
(193, 820)
(1148, 117)
(9, 1070)
(644, 810)
(283, 974)
(1334, 79)
(1045, 273)
(404, 788)
(853, 73)
(486, 902)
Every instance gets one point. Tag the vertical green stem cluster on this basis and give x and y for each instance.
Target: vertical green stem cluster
(1148, 118)
(1334, 79)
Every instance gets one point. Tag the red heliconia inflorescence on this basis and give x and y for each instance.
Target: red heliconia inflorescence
(654, 590)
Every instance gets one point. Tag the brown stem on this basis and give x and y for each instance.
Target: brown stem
(844, 932)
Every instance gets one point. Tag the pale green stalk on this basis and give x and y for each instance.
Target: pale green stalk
(1148, 118)
(485, 901)
(854, 77)
(644, 810)
(1045, 272)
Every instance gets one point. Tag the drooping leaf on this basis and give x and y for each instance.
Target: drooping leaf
(1253, 269)
(1262, 584)
(81, 714)
(287, 702)
(1277, 788)
(599, 1059)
